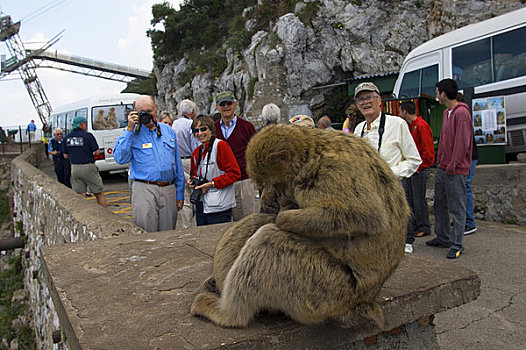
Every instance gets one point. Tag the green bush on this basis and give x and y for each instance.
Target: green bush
(143, 86)
(11, 279)
(308, 12)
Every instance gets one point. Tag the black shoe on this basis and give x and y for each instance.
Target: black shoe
(454, 253)
(422, 234)
(436, 243)
(469, 230)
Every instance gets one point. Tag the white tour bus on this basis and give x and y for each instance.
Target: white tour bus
(106, 116)
(489, 56)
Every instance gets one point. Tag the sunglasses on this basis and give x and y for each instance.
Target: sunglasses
(202, 129)
(225, 103)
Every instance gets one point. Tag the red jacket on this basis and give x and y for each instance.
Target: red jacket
(423, 136)
(238, 141)
(456, 141)
(225, 162)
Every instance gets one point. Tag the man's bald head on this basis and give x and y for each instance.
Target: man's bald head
(147, 104)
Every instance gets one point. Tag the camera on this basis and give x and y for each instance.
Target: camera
(197, 194)
(144, 117)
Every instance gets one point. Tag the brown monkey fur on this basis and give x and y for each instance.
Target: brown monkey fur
(338, 235)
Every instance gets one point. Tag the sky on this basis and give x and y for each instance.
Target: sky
(109, 30)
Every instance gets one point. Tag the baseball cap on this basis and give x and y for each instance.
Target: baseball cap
(225, 96)
(367, 86)
(77, 121)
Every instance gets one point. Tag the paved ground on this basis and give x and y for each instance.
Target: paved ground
(496, 320)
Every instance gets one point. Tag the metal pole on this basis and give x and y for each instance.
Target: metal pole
(21, 136)
(11, 243)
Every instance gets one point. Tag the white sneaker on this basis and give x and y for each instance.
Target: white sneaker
(408, 248)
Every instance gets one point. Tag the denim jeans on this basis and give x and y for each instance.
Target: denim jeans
(415, 192)
(211, 218)
(450, 198)
(470, 206)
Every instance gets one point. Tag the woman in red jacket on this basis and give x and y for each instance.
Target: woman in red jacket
(214, 170)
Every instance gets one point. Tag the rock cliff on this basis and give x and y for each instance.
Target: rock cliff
(344, 39)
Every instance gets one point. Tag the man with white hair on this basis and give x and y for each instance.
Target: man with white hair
(270, 114)
(186, 143)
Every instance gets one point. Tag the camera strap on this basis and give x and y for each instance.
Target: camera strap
(381, 130)
(210, 145)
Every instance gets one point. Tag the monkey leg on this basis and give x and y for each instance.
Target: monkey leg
(280, 271)
(230, 245)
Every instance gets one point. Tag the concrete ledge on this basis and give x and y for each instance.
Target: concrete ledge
(135, 292)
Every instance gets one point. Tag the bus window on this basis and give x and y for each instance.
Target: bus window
(61, 122)
(410, 84)
(419, 81)
(69, 119)
(83, 112)
(509, 51)
(429, 79)
(110, 117)
(472, 64)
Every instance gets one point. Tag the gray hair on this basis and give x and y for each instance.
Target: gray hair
(270, 113)
(186, 107)
(57, 130)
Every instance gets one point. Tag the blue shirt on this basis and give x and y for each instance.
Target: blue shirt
(227, 130)
(80, 145)
(56, 145)
(185, 139)
(31, 127)
(151, 157)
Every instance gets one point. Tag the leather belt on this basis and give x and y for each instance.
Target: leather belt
(157, 183)
(186, 157)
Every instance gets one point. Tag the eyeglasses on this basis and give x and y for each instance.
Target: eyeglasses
(225, 103)
(202, 129)
(366, 98)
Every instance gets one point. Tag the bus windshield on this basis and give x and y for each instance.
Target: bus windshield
(110, 117)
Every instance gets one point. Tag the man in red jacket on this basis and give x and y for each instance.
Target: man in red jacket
(237, 133)
(415, 186)
(454, 161)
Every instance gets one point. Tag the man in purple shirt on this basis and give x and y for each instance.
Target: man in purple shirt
(454, 160)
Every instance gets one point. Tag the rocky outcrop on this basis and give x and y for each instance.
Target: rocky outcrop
(344, 39)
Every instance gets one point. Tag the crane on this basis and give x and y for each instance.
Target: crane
(25, 65)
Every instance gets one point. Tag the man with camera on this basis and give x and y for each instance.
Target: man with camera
(155, 166)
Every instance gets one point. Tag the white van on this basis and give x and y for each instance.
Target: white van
(106, 116)
(489, 56)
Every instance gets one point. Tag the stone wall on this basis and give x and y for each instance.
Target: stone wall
(48, 213)
(499, 193)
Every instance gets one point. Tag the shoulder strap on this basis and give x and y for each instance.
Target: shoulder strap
(381, 130)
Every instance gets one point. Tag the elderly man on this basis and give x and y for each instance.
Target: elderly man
(237, 133)
(186, 143)
(155, 166)
(389, 135)
(61, 164)
(81, 147)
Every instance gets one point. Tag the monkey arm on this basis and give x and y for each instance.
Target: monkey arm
(273, 201)
(333, 219)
